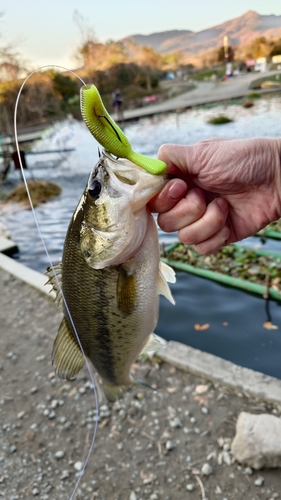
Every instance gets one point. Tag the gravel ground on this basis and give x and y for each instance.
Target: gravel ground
(171, 444)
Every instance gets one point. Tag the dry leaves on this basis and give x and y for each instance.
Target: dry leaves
(269, 326)
(201, 388)
(201, 327)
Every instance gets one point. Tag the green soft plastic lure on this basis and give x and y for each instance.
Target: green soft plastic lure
(109, 135)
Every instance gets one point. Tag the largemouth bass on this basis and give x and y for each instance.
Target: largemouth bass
(111, 275)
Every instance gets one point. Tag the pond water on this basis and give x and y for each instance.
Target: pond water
(236, 319)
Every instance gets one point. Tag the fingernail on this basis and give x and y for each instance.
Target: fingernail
(222, 203)
(177, 190)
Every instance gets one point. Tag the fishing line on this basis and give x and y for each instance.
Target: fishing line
(53, 269)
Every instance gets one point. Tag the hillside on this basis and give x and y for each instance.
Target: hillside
(240, 31)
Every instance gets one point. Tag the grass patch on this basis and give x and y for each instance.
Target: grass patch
(208, 73)
(40, 192)
(220, 120)
(254, 95)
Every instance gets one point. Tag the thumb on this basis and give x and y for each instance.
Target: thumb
(178, 158)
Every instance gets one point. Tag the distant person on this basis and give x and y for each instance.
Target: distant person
(118, 104)
(223, 190)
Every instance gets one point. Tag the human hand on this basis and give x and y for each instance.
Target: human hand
(224, 191)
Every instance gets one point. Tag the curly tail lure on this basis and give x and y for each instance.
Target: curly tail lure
(109, 135)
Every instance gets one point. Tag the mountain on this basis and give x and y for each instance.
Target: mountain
(240, 31)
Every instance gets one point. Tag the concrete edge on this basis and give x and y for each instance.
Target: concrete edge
(29, 276)
(186, 358)
(7, 246)
(219, 370)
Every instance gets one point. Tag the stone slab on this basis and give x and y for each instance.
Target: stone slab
(219, 370)
(7, 246)
(29, 276)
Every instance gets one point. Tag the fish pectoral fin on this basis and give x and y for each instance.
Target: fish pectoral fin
(154, 343)
(114, 392)
(126, 291)
(54, 274)
(168, 272)
(67, 357)
(162, 285)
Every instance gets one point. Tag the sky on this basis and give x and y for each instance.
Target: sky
(45, 31)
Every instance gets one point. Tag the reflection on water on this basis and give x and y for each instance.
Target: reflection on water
(243, 340)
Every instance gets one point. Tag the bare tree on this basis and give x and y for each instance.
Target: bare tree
(12, 65)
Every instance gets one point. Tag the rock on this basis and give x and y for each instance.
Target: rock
(190, 487)
(170, 445)
(249, 471)
(175, 423)
(259, 481)
(257, 442)
(206, 469)
(78, 466)
(59, 454)
(64, 474)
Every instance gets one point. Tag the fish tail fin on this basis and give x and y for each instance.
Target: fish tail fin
(114, 392)
(67, 357)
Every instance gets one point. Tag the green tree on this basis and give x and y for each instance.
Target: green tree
(65, 86)
(276, 50)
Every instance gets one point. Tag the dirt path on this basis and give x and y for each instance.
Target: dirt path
(150, 445)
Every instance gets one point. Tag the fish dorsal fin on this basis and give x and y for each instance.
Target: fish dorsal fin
(154, 343)
(166, 273)
(67, 357)
(55, 279)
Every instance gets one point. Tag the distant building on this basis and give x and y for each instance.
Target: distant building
(261, 64)
(250, 64)
(276, 59)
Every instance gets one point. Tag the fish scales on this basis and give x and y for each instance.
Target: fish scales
(111, 293)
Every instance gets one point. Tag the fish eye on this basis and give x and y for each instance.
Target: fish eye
(94, 189)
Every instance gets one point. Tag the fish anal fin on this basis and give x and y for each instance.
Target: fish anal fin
(126, 291)
(67, 357)
(114, 392)
(154, 343)
(163, 287)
